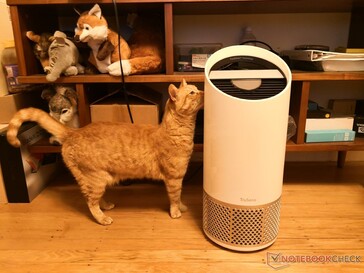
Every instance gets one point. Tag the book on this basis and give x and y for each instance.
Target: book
(330, 123)
(329, 135)
(342, 107)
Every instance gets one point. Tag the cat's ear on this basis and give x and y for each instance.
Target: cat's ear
(183, 83)
(71, 95)
(32, 36)
(96, 10)
(47, 94)
(172, 90)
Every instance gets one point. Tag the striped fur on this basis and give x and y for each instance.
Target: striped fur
(39, 116)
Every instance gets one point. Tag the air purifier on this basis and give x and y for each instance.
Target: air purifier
(247, 93)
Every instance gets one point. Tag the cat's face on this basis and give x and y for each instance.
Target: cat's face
(187, 98)
(42, 46)
(61, 109)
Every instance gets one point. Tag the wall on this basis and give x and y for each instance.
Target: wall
(281, 31)
(6, 34)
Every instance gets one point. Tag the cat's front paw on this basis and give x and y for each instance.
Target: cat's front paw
(105, 221)
(175, 213)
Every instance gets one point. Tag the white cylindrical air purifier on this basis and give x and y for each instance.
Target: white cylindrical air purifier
(247, 93)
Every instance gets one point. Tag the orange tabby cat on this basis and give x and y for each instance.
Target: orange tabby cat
(102, 154)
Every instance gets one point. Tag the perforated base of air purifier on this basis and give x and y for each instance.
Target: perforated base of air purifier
(244, 228)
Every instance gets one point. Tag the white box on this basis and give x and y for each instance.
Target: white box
(329, 123)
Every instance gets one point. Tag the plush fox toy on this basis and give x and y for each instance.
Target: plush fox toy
(142, 55)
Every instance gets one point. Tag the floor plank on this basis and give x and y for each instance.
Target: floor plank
(321, 218)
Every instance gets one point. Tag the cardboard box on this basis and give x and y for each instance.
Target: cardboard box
(10, 104)
(145, 105)
(342, 107)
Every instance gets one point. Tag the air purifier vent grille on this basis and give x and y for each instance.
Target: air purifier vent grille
(241, 226)
(268, 88)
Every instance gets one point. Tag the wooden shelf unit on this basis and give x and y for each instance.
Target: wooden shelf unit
(42, 15)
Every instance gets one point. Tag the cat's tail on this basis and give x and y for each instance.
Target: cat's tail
(42, 118)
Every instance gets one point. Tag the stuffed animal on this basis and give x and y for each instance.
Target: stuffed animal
(142, 55)
(41, 46)
(63, 58)
(62, 104)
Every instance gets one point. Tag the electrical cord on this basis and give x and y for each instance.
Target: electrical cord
(126, 97)
(259, 42)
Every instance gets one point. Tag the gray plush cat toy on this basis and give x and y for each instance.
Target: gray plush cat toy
(63, 58)
(62, 103)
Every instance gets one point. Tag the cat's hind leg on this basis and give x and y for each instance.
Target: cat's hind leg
(106, 205)
(183, 207)
(174, 189)
(93, 204)
(93, 187)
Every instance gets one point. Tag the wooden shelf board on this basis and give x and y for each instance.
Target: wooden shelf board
(105, 78)
(189, 77)
(357, 145)
(43, 146)
(223, 6)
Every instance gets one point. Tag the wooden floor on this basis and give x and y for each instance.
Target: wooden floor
(322, 218)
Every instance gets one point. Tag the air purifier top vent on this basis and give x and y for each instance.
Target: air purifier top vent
(243, 62)
(247, 77)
